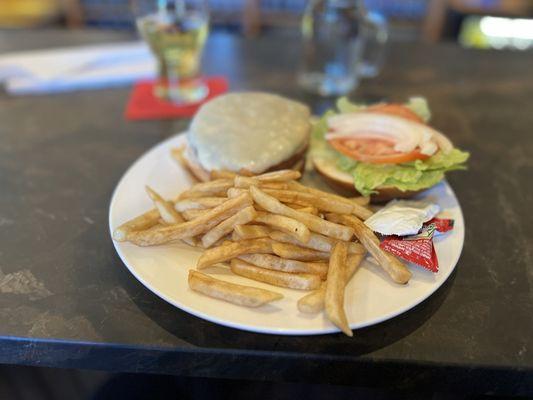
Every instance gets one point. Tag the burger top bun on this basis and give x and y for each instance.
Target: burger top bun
(249, 131)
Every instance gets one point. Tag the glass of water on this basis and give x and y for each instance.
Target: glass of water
(175, 31)
(342, 43)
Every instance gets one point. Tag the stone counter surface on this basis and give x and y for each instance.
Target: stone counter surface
(66, 299)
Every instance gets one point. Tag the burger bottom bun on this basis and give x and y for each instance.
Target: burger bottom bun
(296, 162)
(343, 182)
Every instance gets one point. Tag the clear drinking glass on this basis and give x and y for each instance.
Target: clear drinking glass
(176, 31)
(342, 43)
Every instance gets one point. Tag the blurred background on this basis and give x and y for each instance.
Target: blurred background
(482, 24)
(473, 23)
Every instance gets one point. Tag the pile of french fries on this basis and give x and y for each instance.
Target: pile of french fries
(268, 228)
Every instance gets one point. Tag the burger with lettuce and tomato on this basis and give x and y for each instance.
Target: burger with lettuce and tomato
(385, 150)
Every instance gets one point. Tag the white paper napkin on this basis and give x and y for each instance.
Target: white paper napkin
(77, 68)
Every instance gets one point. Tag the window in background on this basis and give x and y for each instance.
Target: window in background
(497, 33)
(450, 19)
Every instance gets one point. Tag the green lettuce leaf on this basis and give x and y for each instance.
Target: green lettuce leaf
(420, 107)
(345, 163)
(417, 175)
(443, 160)
(426, 180)
(368, 177)
(346, 106)
(319, 147)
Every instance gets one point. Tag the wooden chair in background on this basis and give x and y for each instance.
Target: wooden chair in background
(73, 13)
(251, 17)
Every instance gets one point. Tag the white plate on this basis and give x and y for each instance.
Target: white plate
(371, 297)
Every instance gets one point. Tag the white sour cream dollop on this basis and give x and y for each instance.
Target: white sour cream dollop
(402, 217)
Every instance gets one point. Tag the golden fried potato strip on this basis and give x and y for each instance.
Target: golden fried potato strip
(314, 302)
(299, 281)
(191, 228)
(392, 265)
(230, 250)
(241, 295)
(313, 222)
(336, 281)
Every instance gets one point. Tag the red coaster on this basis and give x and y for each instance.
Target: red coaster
(142, 103)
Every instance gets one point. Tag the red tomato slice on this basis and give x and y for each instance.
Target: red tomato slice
(373, 150)
(379, 150)
(398, 110)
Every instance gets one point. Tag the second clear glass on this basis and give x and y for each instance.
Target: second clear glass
(342, 43)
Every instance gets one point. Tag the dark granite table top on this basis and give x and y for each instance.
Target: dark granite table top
(66, 300)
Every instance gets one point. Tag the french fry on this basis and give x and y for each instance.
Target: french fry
(221, 174)
(336, 281)
(220, 242)
(274, 185)
(166, 208)
(309, 199)
(244, 182)
(242, 217)
(241, 232)
(142, 222)
(230, 250)
(318, 267)
(309, 210)
(294, 206)
(276, 278)
(193, 213)
(217, 187)
(234, 192)
(285, 224)
(279, 176)
(191, 241)
(293, 252)
(298, 207)
(358, 209)
(191, 228)
(168, 213)
(394, 267)
(178, 155)
(247, 296)
(198, 203)
(313, 222)
(361, 200)
(269, 261)
(314, 302)
(316, 242)
(269, 179)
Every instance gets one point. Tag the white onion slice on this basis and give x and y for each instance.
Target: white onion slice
(406, 134)
(443, 142)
